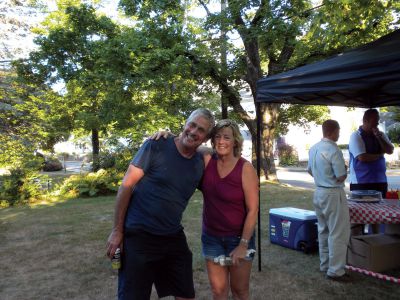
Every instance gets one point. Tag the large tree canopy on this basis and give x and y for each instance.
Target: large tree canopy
(121, 81)
(268, 37)
(151, 71)
(29, 120)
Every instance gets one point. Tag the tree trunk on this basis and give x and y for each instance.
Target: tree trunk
(269, 115)
(96, 150)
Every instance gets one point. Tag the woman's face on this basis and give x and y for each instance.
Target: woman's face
(224, 142)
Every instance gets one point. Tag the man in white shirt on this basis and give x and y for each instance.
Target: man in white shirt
(327, 166)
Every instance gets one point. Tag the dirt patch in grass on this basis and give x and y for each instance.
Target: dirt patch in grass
(58, 252)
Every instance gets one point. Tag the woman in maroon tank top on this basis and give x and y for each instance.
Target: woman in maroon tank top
(230, 190)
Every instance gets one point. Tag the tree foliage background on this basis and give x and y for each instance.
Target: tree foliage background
(148, 68)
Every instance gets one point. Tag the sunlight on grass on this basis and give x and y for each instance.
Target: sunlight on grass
(11, 216)
(49, 201)
(57, 251)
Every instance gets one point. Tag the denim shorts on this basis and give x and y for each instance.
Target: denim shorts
(214, 246)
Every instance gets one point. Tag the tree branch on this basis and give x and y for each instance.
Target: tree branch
(232, 95)
(259, 16)
(205, 7)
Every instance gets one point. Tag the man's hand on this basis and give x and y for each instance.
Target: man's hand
(376, 132)
(341, 178)
(114, 241)
(386, 146)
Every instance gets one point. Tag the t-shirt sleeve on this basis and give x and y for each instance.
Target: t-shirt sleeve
(356, 145)
(142, 159)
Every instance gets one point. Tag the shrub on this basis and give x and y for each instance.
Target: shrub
(52, 164)
(106, 160)
(118, 160)
(287, 155)
(122, 160)
(343, 146)
(20, 186)
(394, 135)
(102, 182)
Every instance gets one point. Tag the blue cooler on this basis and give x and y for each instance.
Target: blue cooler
(293, 228)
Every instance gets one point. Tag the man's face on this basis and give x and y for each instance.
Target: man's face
(371, 123)
(195, 132)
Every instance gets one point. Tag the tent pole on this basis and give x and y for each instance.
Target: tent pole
(258, 157)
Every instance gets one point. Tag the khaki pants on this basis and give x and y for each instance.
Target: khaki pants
(333, 229)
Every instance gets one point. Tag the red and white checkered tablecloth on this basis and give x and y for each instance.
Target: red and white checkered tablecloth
(384, 212)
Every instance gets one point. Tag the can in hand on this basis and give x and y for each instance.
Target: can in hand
(116, 259)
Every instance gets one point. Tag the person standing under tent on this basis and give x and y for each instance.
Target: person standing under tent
(367, 148)
(326, 165)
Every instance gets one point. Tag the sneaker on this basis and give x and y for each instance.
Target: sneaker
(344, 278)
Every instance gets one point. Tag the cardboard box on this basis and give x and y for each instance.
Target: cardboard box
(374, 252)
(393, 229)
(293, 228)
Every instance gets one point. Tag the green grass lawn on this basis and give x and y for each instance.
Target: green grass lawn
(57, 251)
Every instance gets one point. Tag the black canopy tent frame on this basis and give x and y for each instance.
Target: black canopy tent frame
(368, 76)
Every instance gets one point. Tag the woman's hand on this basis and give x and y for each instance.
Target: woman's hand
(238, 254)
(162, 133)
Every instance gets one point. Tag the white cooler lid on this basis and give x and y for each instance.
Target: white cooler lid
(293, 212)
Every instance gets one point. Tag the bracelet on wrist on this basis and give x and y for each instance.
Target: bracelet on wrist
(244, 241)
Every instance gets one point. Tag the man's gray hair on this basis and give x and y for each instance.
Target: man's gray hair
(205, 113)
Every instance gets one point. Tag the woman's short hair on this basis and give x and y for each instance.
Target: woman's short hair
(329, 126)
(237, 136)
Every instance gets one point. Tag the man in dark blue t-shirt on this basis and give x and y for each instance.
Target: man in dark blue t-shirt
(155, 191)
